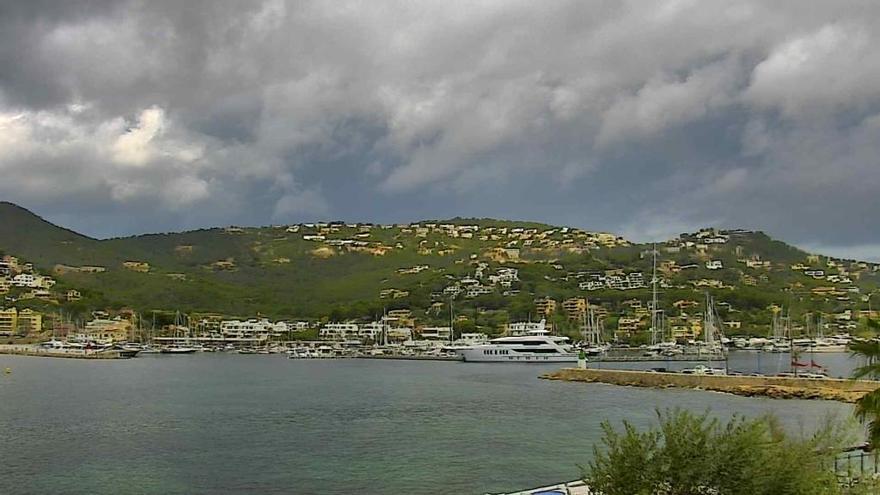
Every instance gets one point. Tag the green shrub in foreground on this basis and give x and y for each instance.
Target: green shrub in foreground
(691, 454)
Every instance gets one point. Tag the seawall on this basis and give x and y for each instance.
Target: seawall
(36, 351)
(750, 386)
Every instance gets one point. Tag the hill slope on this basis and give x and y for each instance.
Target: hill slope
(340, 271)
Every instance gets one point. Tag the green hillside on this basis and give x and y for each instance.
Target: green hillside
(337, 271)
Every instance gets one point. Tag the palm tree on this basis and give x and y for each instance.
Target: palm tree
(868, 407)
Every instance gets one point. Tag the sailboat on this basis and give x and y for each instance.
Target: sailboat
(658, 332)
(781, 337)
(712, 327)
(593, 344)
(712, 336)
(177, 347)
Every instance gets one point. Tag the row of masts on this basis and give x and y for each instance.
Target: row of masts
(711, 322)
(592, 327)
(781, 326)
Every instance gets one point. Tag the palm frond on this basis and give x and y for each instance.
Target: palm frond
(870, 350)
(869, 370)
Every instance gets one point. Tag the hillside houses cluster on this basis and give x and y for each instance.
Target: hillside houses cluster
(511, 237)
(482, 282)
(24, 280)
(611, 279)
(707, 260)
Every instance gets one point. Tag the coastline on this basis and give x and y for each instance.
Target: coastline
(36, 351)
(848, 391)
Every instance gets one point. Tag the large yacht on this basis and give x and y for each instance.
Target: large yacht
(536, 345)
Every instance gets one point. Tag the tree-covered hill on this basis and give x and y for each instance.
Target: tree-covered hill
(339, 271)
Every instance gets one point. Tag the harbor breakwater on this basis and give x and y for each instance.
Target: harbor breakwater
(750, 386)
(37, 351)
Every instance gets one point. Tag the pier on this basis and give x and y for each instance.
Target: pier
(750, 386)
(417, 357)
(36, 351)
(691, 358)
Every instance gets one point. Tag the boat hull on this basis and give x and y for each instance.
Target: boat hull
(477, 356)
(177, 351)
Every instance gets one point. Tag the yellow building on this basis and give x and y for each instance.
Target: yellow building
(575, 308)
(8, 321)
(686, 328)
(627, 325)
(401, 318)
(29, 322)
(545, 306)
(114, 330)
(137, 266)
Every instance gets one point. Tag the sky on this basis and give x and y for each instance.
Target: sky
(646, 119)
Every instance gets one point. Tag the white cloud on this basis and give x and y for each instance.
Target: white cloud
(831, 69)
(134, 147)
(152, 160)
(665, 102)
(299, 204)
(674, 113)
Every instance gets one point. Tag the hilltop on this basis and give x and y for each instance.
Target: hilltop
(494, 271)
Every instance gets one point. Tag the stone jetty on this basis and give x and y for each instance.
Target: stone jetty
(751, 386)
(37, 351)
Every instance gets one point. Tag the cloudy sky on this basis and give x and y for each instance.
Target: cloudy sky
(642, 118)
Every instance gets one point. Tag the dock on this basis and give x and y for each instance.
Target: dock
(37, 351)
(691, 358)
(750, 386)
(401, 357)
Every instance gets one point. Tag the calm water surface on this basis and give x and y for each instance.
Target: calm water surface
(211, 423)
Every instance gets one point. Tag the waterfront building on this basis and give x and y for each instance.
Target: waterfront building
(372, 331)
(29, 322)
(252, 329)
(400, 317)
(436, 333)
(626, 325)
(108, 330)
(400, 333)
(298, 326)
(8, 321)
(339, 331)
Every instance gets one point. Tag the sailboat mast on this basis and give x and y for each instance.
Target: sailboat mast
(653, 294)
(451, 320)
(384, 327)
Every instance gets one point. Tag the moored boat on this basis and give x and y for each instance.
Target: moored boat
(537, 346)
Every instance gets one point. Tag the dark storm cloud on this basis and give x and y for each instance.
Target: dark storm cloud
(641, 118)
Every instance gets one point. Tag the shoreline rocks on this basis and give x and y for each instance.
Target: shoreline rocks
(848, 391)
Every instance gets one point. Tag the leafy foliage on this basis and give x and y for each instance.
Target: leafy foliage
(691, 454)
(868, 407)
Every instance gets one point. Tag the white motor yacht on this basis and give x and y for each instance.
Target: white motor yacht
(537, 346)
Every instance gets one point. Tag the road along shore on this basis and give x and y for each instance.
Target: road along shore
(750, 386)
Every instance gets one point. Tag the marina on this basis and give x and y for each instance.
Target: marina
(330, 426)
